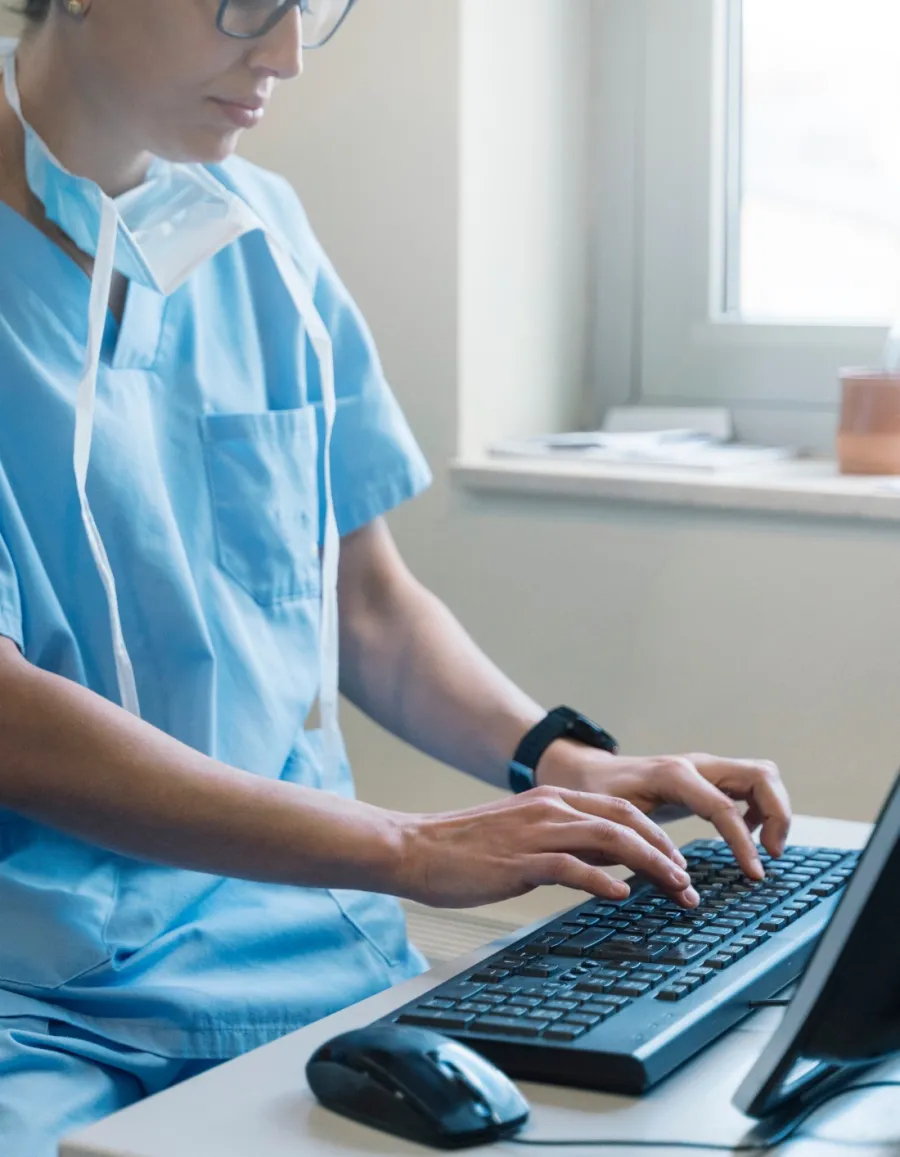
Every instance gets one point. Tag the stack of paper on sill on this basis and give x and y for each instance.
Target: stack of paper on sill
(680, 449)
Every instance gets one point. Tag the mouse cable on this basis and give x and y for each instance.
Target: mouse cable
(789, 1133)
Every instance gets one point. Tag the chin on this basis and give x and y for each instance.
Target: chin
(204, 148)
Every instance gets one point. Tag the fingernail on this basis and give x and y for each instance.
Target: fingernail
(620, 890)
(679, 859)
(680, 879)
(758, 870)
(691, 898)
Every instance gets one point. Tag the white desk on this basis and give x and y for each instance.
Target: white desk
(260, 1106)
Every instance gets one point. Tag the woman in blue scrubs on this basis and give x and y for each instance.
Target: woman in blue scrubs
(184, 871)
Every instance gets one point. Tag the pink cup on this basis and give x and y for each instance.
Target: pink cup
(869, 436)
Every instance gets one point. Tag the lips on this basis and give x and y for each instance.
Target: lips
(243, 113)
(256, 104)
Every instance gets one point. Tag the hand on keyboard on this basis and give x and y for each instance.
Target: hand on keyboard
(705, 784)
(546, 836)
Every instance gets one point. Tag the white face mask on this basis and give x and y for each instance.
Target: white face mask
(157, 235)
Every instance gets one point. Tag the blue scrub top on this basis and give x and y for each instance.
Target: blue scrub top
(205, 482)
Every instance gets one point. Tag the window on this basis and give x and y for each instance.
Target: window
(749, 204)
(816, 182)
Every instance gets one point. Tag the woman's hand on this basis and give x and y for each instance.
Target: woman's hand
(546, 836)
(706, 785)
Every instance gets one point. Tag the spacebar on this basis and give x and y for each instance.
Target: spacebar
(643, 953)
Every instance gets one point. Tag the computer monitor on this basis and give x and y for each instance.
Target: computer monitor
(845, 1013)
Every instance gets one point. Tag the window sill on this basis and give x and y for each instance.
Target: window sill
(810, 487)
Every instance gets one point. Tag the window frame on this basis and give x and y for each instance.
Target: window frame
(663, 335)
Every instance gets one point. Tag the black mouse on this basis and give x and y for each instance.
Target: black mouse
(416, 1084)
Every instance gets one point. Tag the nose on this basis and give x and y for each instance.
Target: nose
(280, 52)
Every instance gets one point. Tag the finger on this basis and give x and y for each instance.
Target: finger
(570, 872)
(707, 801)
(620, 811)
(760, 783)
(621, 845)
(771, 801)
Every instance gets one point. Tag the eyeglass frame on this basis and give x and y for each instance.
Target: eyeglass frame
(278, 14)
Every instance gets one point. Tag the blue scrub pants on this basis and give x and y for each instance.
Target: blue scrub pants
(55, 1079)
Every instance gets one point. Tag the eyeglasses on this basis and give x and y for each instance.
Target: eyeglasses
(248, 19)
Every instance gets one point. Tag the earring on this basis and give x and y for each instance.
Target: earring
(76, 7)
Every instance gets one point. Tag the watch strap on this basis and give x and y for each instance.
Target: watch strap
(560, 723)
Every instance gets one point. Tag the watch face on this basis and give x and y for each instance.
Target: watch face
(585, 731)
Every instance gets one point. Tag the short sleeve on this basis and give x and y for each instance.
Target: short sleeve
(376, 462)
(10, 601)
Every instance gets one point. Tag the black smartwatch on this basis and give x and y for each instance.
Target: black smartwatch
(561, 723)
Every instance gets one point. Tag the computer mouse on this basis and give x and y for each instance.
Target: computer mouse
(416, 1084)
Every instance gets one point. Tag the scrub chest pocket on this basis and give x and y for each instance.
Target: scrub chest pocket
(263, 477)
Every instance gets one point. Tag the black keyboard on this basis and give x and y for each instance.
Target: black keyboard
(615, 995)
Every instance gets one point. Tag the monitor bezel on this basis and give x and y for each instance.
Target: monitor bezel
(766, 1090)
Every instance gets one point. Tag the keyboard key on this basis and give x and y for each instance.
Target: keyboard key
(772, 924)
(602, 1011)
(523, 1001)
(564, 1032)
(460, 991)
(542, 946)
(747, 942)
(597, 987)
(682, 953)
(630, 988)
(474, 1006)
(616, 949)
(437, 1020)
(719, 961)
(487, 975)
(561, 1005)
(673, 992)
(702, 974)
(614, 1001)
(509, 1026)
(651, 978)
(705, 938)
(438, 1004)
(581, 944)
(582, 1018)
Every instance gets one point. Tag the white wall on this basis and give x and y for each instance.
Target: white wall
(680, 630)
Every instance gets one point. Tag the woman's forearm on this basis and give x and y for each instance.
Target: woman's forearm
(70, 759)
(411, 666)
